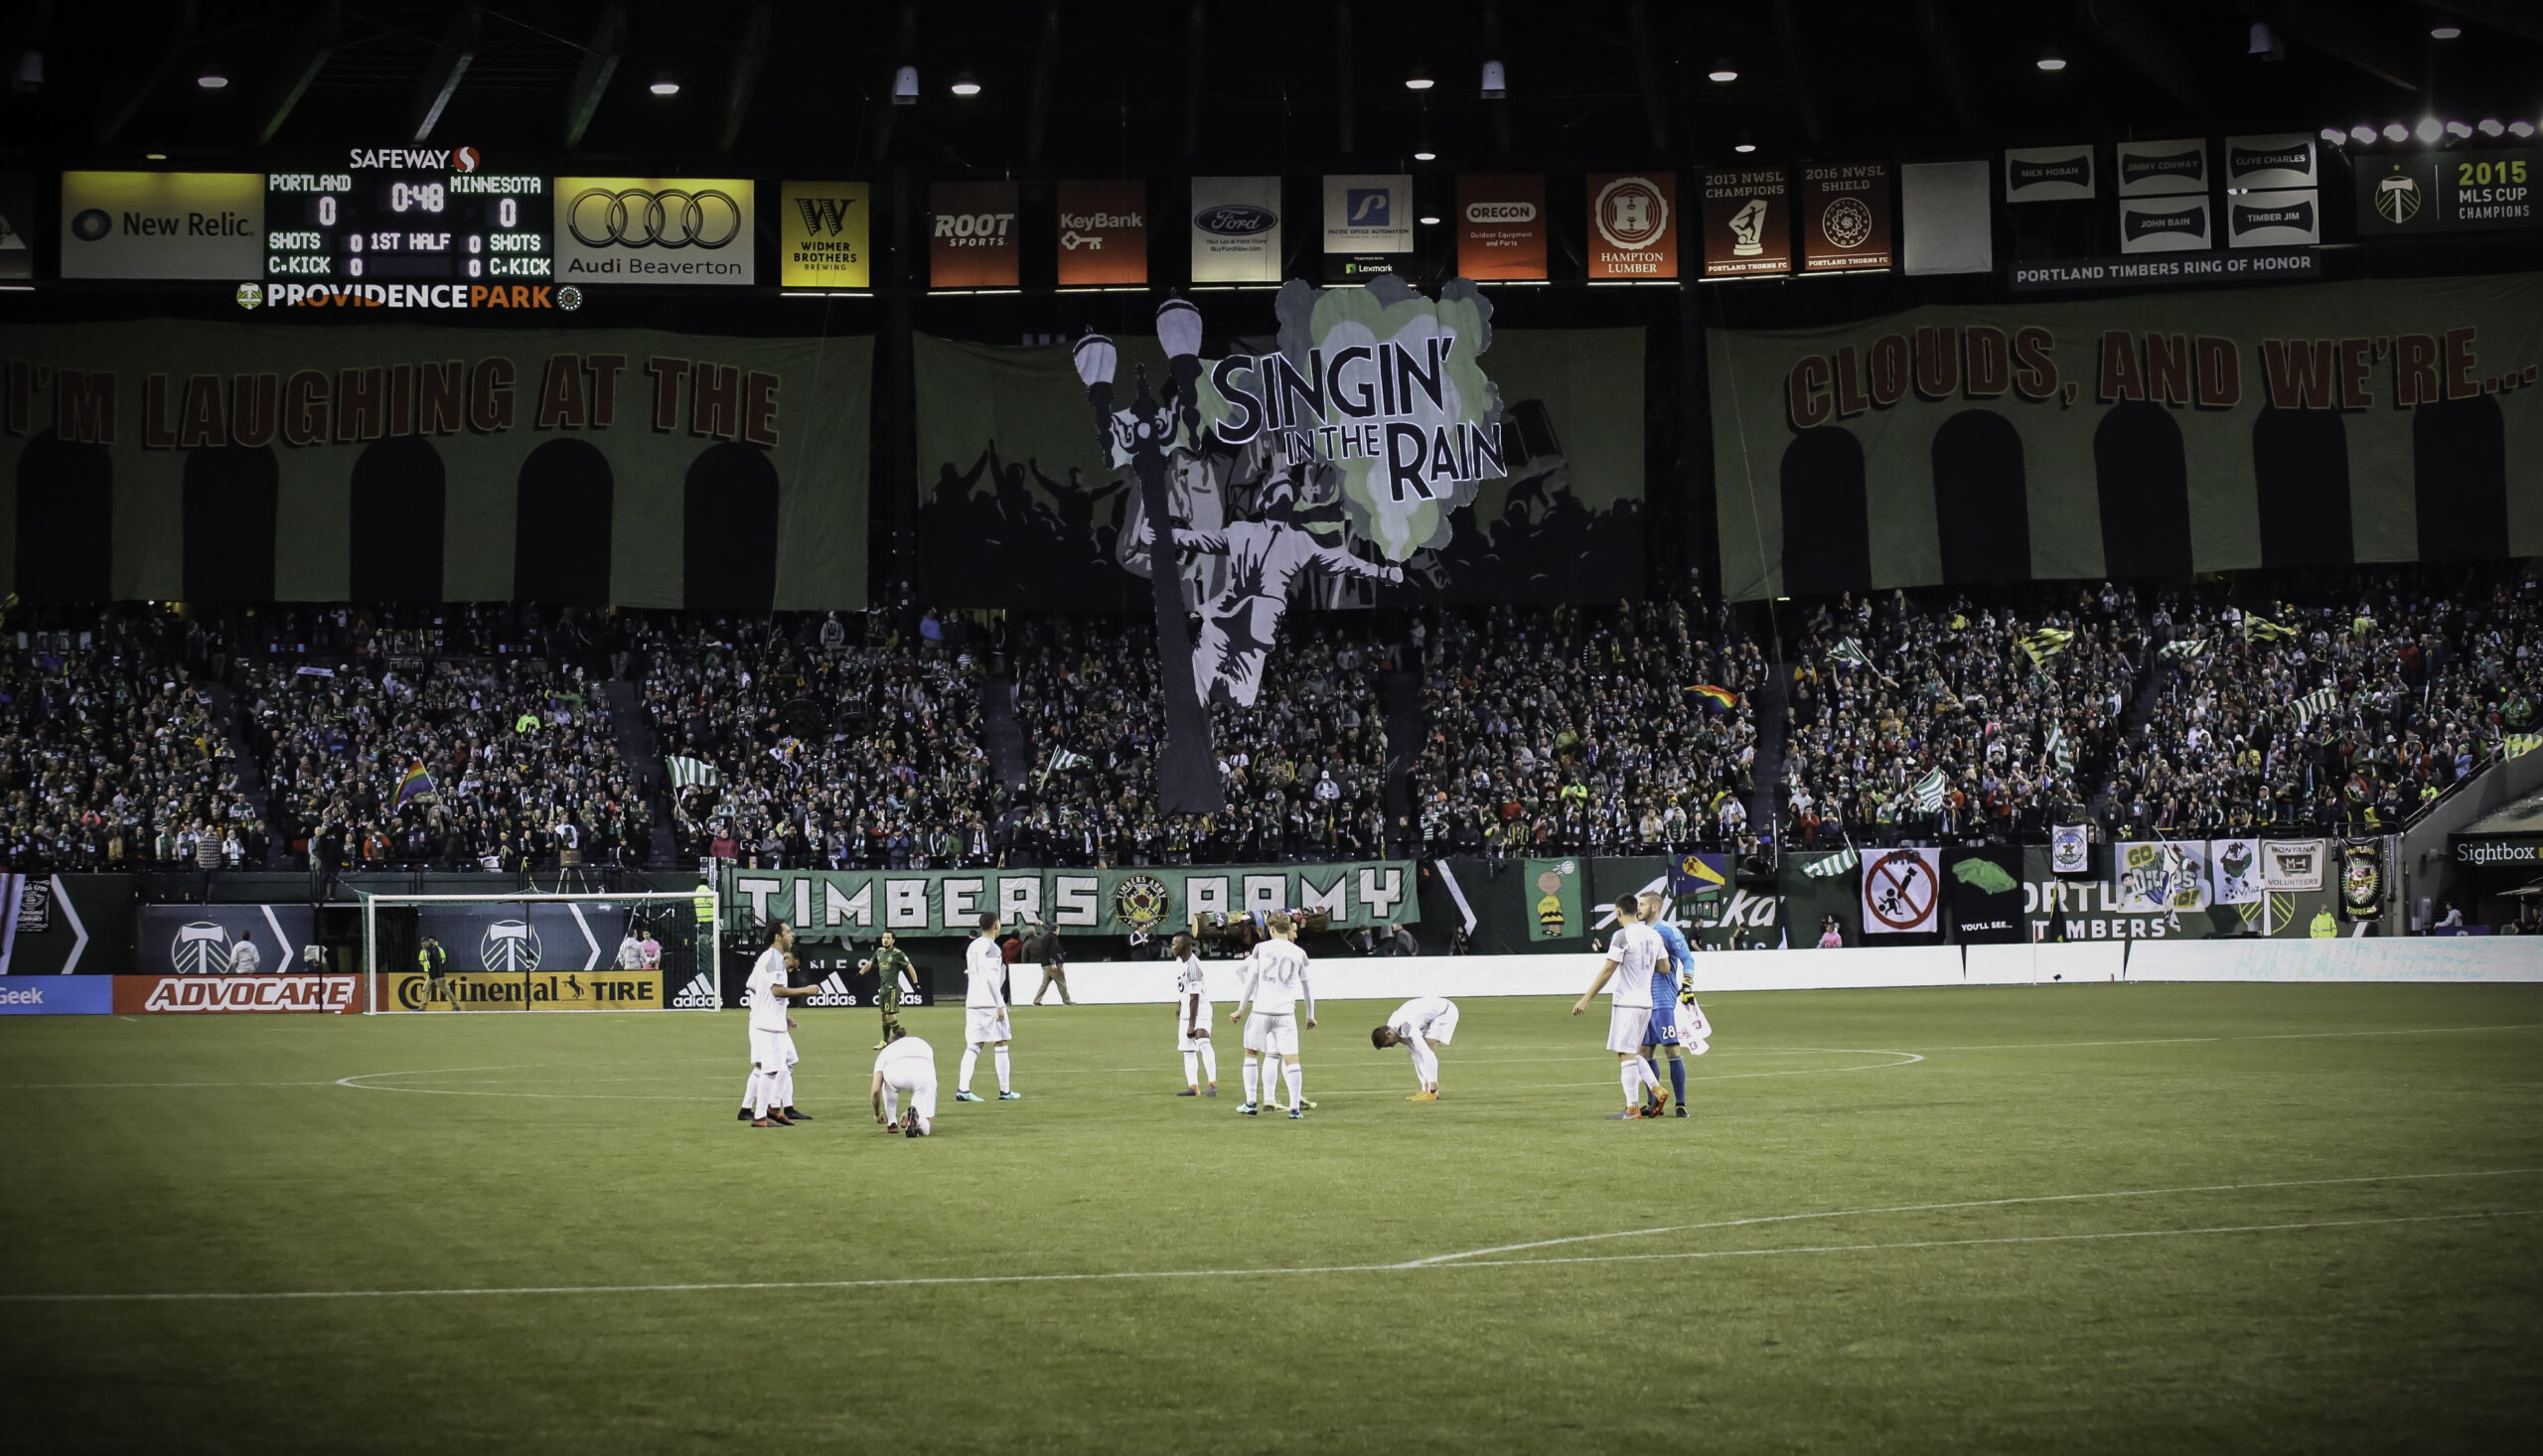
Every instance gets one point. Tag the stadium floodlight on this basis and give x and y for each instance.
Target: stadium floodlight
(905, 87)
(2430, 129)
(534, 952)
(2363, 134)
(2458, 129)
(2520, 127)
(2395, 131)
(2489, 126)
(1496, 80)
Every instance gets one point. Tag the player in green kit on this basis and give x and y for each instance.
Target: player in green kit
(890, 964)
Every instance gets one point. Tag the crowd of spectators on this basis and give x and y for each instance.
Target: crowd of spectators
(112, 756)
(1582, 730)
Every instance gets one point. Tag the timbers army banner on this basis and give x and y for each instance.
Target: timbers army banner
(210, 462)
(2397, 420)
(829, 904)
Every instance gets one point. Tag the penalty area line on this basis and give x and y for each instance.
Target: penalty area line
(1124, 1275)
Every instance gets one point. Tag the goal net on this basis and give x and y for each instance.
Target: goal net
(643, 951)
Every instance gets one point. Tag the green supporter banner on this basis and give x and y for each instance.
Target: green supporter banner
(2299, 426)
(1551, 890)
(212, 461)
(831, 904)
(1020, 504)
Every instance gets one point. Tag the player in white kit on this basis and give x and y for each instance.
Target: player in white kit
(984, 1016)
(906, 1064)
(1275, 985)
(1417, 1026)
(772, 1083)
(1631, 957)
(1192, 1021)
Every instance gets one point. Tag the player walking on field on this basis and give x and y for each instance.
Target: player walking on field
(1633, 957)
(891, 967)
(772, 1086)
(1418, 1026)
(1274, 987)
(1192, 1021)
(985, 1017)
(1675, 1018)
(907, 1064)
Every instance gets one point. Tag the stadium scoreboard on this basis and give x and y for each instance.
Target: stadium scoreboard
(409, 215)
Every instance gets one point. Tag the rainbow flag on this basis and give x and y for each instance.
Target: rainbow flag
(1720, 697)
(418, 785)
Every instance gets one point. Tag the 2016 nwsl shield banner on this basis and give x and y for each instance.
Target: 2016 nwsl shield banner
(1160, 900)
(2154, 436)
(205, 462)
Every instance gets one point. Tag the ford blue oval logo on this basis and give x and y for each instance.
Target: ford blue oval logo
(1236, 220)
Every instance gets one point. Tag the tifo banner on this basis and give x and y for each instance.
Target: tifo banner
(655, 229)
(1986, 895)
(2055, 909)
(2233, 867)
(544, 990)
(824, 232)
(210, 462)
(1818, 889)
(831, 904)
(223, 940)
(1552, 889)
(1903, 892)
(136, 995)
(1020, 506)
(2154, 436)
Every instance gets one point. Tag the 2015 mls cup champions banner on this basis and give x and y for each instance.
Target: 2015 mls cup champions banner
(205, 462)
(2149, 436)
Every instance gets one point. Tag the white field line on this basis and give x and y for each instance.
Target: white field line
(1123, 1275)
(2280, 1036)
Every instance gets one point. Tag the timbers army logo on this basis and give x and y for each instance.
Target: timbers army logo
(1142, 903)
(509, 947)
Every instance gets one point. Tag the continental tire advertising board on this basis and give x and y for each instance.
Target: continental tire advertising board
(545, 991)
(2311, 426)
(855, 904)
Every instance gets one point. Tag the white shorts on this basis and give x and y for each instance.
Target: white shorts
(1627, 1028)
(985, 1024)
(1184, 1043)
(1444, 1027)
(773, 1051)
(1276, 1033)
(918, 1079)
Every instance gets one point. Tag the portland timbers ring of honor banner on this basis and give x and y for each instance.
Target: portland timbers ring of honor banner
(206, 462)
(829, 905)
(2297, 426)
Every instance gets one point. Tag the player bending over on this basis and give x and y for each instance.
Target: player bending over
(1192, 1020)
(907, 1064)
(770, 1091)
(985, 1019)
(1632, 955)
(1669, 985)
(1419, 1026)
(1273, 988)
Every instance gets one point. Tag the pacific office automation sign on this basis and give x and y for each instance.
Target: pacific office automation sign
(197, 461)
(2285, 427)
(831, 904)
(655, 229)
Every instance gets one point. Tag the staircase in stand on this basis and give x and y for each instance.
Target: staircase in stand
(1002, 735)
(1774, 720)
(225, 708)
(633, 731)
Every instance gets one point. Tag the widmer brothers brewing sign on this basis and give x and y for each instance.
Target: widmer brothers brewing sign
(2390, 421)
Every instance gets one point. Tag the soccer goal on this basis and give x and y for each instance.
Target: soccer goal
(643, 951)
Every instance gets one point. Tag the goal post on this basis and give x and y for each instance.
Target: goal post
(532, 952)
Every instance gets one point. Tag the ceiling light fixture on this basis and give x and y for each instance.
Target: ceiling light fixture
(2363, 133)
(2520, 127)
(30, 72)
(2489, 126)
(1425, 154)
(1420, 81)
(2444, 32)
(2458, 129)
(1745, 144)
(214, 78)
(2395, 131)
(154, 155)
(1496, 80)
(2430, 129)
(1723, 74)
(905, 87)
(964, 86)
(2334, 135)
(1429, 220)
(2265, 43)
(2050, 61)
(665, 86)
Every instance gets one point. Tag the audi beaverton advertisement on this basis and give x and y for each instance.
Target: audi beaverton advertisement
(654, 229)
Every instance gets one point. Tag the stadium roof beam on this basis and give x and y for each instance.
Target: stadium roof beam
(750, 57)
(1796, 65)
(1046, 83)
(1646, 65)
(2124, 27)
(1944, 52)
(2343, 32)
(320, 33)
(1196, 49)
(451, 56)
(600, 60)
(2517, 17)
(1342, 71)
(142, 71)
(904, 40)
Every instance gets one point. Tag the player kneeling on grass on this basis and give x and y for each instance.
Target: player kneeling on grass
(1632, 955)
(1192, 1020)
(771, 1084)
(1273, 987)
(905, 1064)
(1418, 1026)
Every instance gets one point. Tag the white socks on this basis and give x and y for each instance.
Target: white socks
(1252, 1079)
(970, 1058)
(1210, 1062)
(1272, 1068)
(1002, 1079)
(1191, 1069)
(1297, 1085)
(1633, 1076)
(761, 1085)
(784, 1094)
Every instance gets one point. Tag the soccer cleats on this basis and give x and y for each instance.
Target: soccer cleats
(1423, 1096)
(1189, 1091)
(793, 1117)
(1297, 1114)
(969, 1096)
(1249, 1110)
(1011, 1096)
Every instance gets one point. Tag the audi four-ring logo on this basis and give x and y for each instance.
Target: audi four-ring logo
(636, 218)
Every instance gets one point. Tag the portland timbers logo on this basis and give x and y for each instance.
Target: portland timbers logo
(201, 949)
(509, 947)
(1143, 902)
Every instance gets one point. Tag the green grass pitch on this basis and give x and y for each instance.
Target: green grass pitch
(2119, 1219)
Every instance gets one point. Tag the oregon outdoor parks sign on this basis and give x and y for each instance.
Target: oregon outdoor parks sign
(1501, 227)
(2299, 426)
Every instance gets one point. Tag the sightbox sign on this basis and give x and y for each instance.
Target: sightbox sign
(655, 229)
(1633, 226)
(970, 235)
(1104, 232)
(831, 904)
(824, 234)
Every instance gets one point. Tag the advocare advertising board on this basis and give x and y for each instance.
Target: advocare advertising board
(163, 224)
(686, 231)
(831, 904)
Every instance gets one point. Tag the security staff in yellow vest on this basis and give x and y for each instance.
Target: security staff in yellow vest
(2325, 928)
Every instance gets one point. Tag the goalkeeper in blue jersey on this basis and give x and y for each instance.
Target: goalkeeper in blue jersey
(1676, 1021)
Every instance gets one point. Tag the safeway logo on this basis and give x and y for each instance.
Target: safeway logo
(180, 993)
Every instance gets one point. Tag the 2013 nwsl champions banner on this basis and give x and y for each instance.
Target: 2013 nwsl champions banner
(1161, 900)
(209, 462)
(2150, 436)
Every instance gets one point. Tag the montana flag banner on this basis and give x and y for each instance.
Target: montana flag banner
(1903, 892)
(1552, 888)
(2321, 425)
(688, 773)
(2291, 864)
